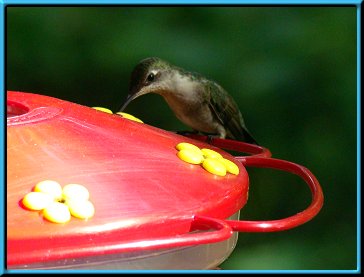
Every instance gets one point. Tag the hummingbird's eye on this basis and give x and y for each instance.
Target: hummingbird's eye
(151, 77)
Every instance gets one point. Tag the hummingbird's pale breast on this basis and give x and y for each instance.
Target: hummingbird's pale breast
(185, 99)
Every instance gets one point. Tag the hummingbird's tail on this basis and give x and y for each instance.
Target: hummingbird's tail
(241, 134)
(247, 137)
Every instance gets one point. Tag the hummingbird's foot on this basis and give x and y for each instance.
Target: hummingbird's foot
(211, 137)
(186, 133)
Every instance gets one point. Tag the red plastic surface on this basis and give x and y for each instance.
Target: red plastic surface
(140, 189)
(145, 197)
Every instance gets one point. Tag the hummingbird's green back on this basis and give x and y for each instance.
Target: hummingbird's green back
(228, 113)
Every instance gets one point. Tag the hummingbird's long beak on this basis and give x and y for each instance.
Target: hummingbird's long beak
(132, 96)
(128, 100)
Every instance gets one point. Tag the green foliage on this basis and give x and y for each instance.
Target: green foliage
(292, 70)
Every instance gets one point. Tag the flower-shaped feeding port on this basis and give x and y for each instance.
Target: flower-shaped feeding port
(58, 204)
(125, 115)
(210, 160)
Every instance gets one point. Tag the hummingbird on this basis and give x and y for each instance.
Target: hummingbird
(198, 102)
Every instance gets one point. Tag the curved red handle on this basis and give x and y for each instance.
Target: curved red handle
(289, 222)
(221, 231)
(261, 158)
(212, 230)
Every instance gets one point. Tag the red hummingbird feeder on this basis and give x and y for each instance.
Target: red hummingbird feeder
(152, 210)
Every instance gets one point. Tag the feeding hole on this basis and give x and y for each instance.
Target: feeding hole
(15, 109)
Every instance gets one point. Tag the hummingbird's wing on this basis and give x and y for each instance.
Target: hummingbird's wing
(227, 112)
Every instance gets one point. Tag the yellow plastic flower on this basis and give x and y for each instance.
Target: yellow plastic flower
(210, 160)
(57, 204)
(122, 114)
(129, 116)
(103, 109)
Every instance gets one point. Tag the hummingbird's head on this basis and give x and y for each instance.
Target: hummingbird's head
(149, 76)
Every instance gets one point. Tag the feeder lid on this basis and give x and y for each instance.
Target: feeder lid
(144, 196)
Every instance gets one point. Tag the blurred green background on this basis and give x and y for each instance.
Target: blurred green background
(292, 70)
